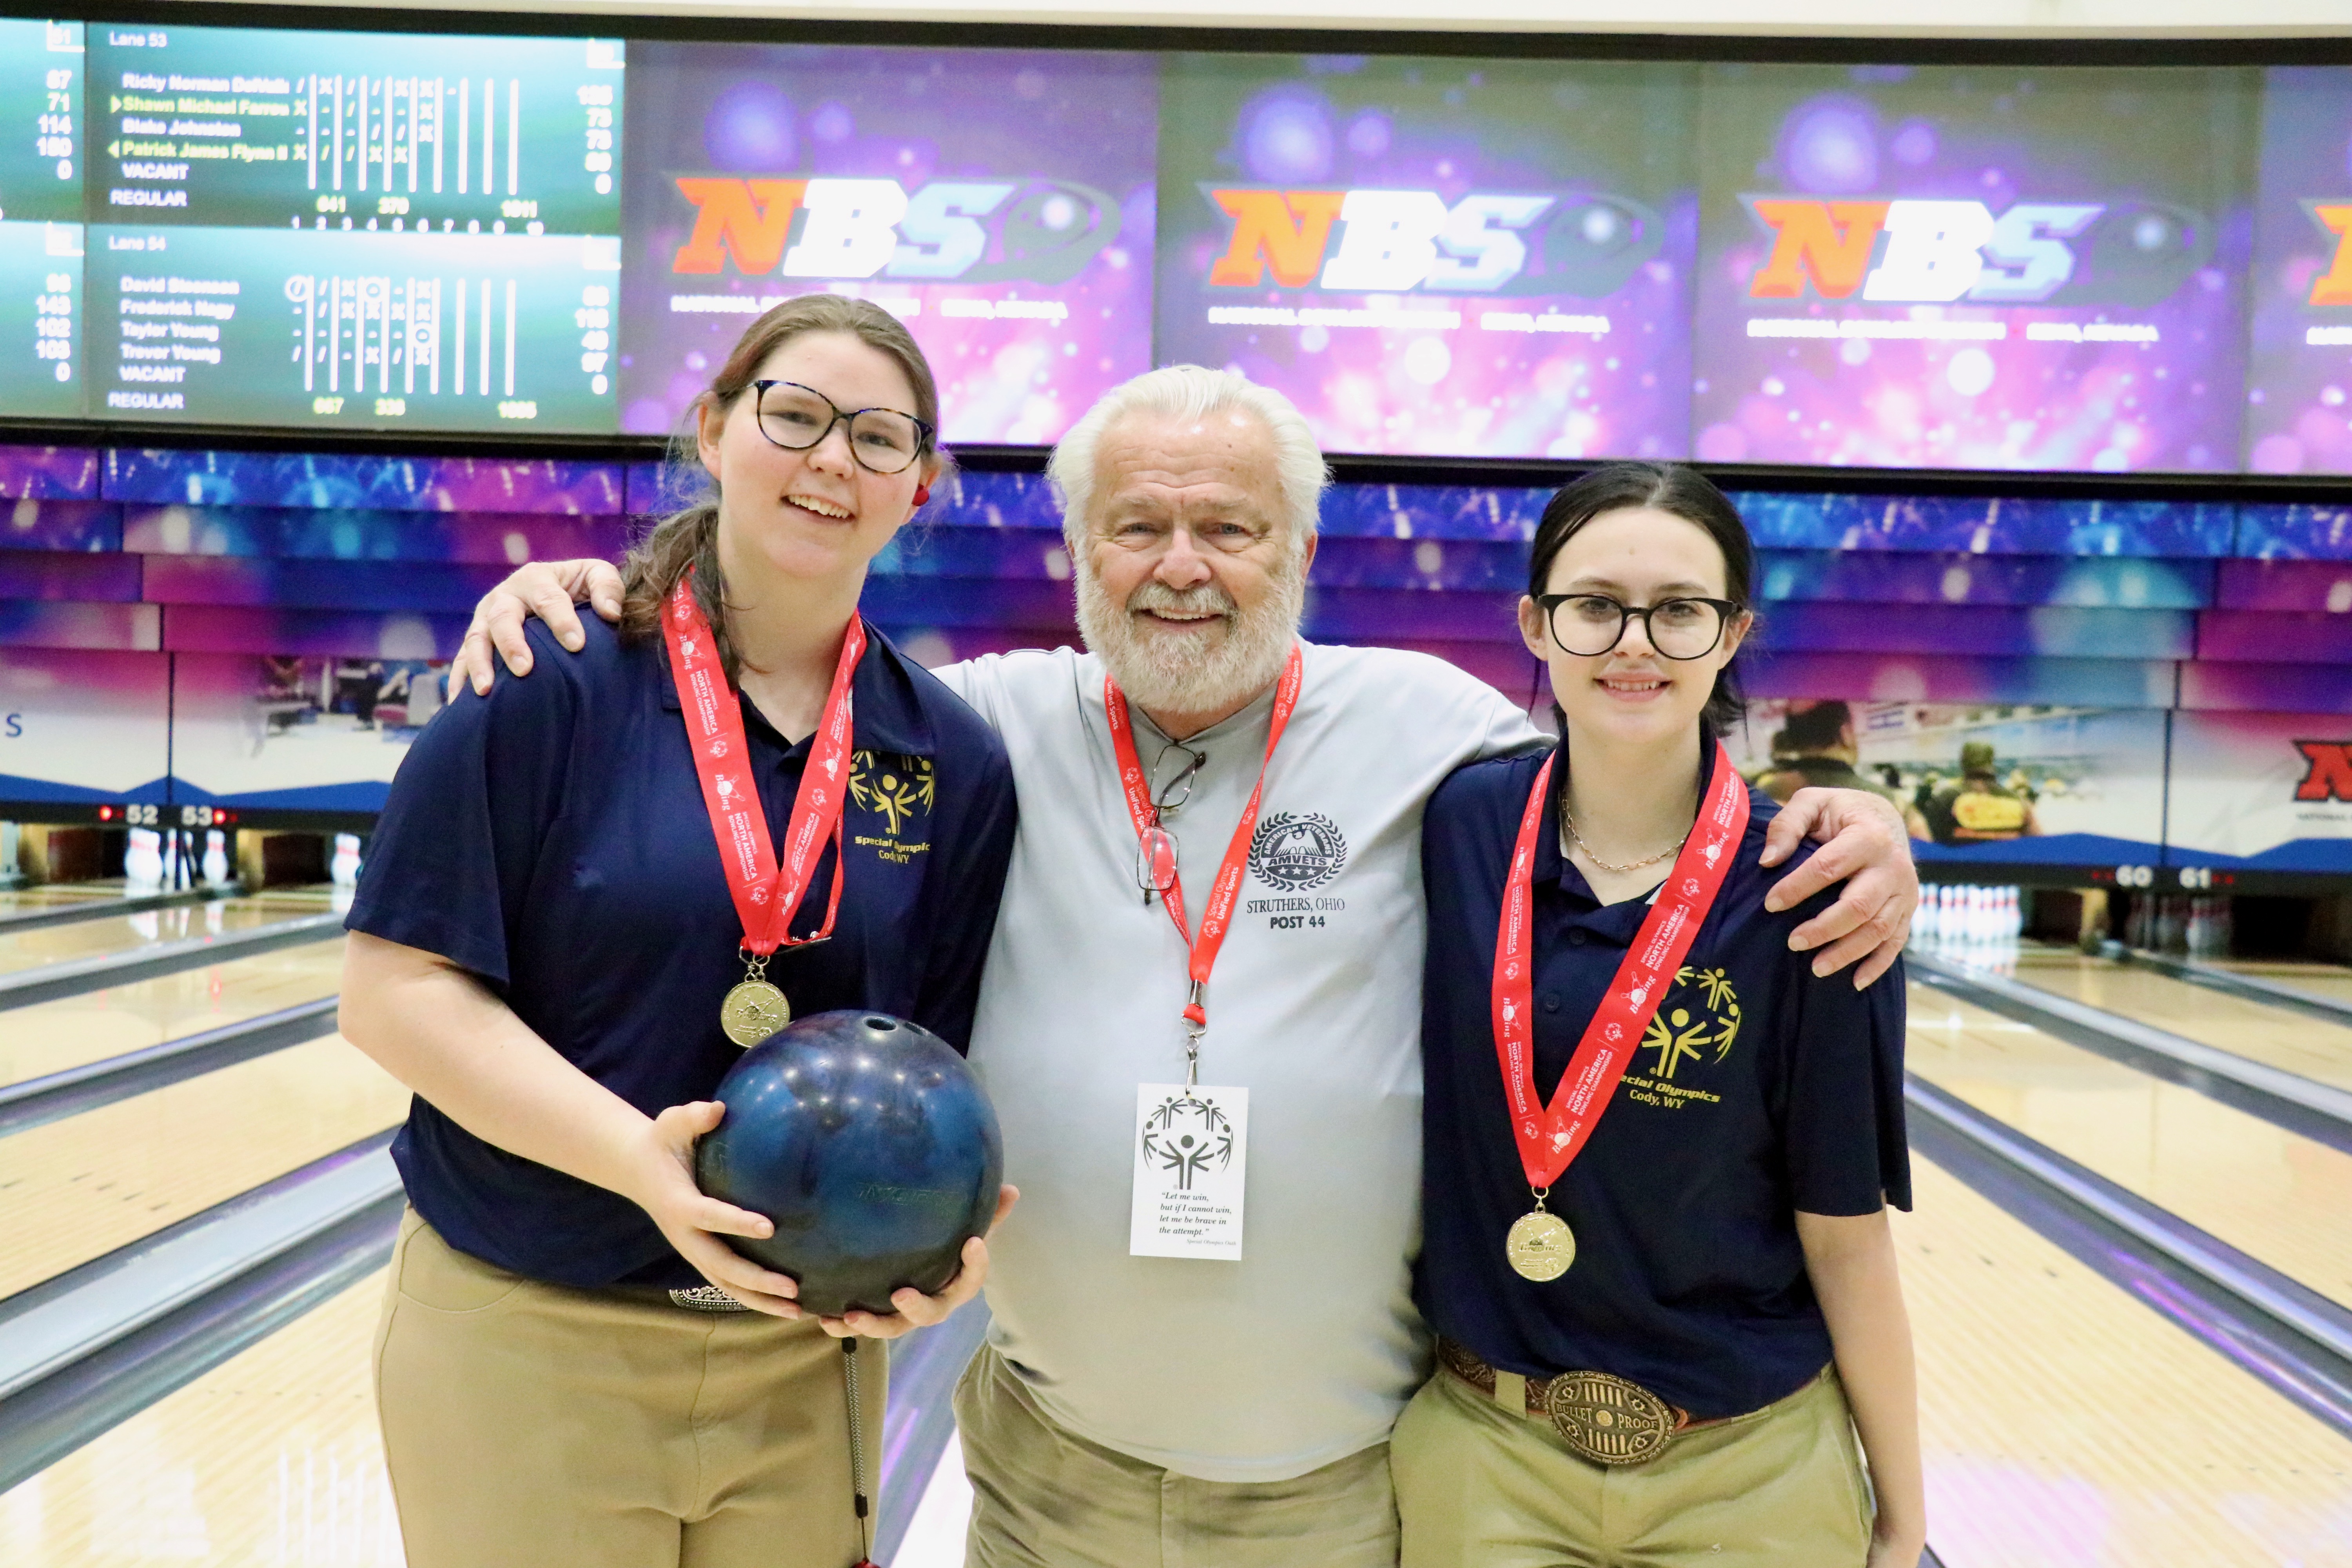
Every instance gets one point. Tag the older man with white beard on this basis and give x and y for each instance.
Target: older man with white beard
(1230, 1407)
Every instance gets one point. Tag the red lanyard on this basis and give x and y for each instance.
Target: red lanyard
(1217, 918)
(766, 895)
(1550, 1136)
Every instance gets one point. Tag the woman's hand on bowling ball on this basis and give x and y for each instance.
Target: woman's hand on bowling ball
(693, 1222)
(916, 1310)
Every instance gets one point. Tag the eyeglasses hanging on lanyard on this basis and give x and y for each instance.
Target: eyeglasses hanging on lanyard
(1155, 846)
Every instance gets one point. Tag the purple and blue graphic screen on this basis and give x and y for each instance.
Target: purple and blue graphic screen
(2302, 358)
(1973, 267)
(1000, 204)
(1437, 256)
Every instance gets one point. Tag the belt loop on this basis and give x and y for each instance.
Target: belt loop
(1511, 1392)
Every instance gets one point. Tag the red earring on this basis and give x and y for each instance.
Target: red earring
(922, 494)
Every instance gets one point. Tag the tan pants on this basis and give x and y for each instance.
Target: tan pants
(527, 1424)
(1781, 1487)
(1045, 1498)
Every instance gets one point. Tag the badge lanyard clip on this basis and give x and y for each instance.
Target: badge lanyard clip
(1196, 1024)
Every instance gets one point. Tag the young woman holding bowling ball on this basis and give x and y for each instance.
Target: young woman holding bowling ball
(1659, 1147)
(587, 892)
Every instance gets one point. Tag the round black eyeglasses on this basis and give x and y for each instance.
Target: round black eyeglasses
(797, 417)
(1589, 624)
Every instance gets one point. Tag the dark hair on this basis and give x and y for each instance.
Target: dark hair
(1658, 486)
(1817, 726)
(690, 537)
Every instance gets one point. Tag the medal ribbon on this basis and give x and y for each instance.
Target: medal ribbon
(1216, 916)
(766, 894)
(1551, 1136)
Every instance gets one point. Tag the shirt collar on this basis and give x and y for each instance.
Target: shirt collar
(1551, 863)
(886, 711)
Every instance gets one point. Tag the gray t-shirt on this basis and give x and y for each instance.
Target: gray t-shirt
(1305, 1350)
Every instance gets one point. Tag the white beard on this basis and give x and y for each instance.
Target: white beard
(1188, 672)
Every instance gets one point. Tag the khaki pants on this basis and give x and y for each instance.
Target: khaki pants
(527, 1424)
(1781, 1487)
(1045, 1498)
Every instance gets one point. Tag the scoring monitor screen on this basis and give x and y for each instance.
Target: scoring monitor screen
(352, 230)
(40, 218)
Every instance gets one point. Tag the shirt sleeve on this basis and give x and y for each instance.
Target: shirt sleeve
(1503, 729)
(970, 869)
(1846, 1148)
(451, 862)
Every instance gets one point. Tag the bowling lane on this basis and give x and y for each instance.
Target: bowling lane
(72, 1030)
(2280, 1037)
(126, 933)
(2278, 1197)
(2062, 1422)
(2331, 981)
(46, 896)
(75, 1189)
(271, 1457)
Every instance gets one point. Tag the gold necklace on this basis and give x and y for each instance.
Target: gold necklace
(1570, 823)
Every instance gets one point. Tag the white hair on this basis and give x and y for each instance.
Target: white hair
(1191, 392)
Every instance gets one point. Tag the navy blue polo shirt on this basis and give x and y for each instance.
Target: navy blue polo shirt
(1758, 1091)
(551, 839)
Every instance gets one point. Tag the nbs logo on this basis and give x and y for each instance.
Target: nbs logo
(1399, 242)
(1040, 231)
(1944, 252)
(2334, 287)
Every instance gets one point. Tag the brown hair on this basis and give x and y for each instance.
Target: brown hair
(690, 538)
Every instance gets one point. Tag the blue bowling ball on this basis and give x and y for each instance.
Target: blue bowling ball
(872, 1147)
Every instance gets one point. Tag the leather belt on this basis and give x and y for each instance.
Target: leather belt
(1602, 1418)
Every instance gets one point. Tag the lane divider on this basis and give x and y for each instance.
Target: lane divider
(99, 909)
(2319, 1111)
(96, 1345)
(2230, 983)
(2283, 1333)
(53, 981)
(86, 1087)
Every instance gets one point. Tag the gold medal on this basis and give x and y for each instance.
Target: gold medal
(753, 1011)
(1540, 1247)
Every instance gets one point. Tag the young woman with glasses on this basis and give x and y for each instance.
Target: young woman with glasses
(1659, 1148)
(588, 893)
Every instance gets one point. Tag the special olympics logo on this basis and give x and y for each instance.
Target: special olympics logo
(1296, 851)
(1187, 1136)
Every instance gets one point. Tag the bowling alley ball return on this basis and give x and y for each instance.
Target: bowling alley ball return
(869, 1142)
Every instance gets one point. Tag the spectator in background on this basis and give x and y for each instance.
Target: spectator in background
(1979, 809)
(1818, 748)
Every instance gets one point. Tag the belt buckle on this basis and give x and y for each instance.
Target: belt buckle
(706, 1298)
(1608, 1420)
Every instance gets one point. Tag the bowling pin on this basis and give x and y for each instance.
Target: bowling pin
(215, 856)
(142, 860)
(344, 872)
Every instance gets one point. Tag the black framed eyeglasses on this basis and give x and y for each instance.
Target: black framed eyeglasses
(797, 417)
(1155, 850)
(1589, 624)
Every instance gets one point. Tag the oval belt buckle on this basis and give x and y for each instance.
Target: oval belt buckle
(1607, 1419)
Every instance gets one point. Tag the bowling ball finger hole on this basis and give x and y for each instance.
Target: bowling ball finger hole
(880, 1025)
